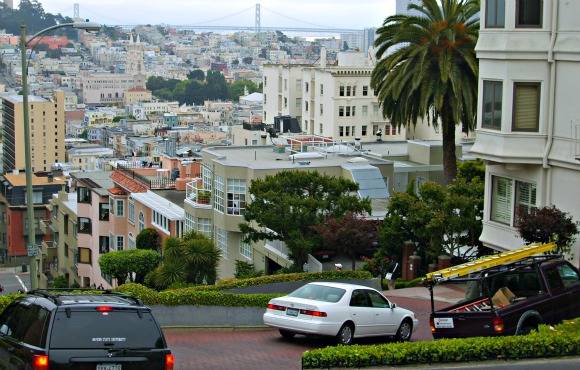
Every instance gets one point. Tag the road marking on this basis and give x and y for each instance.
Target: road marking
(24, 288)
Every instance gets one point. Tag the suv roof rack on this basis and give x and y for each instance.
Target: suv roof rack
(56, 294)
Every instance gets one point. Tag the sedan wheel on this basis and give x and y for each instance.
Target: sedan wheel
(404, 332)
(345, 335)
(286, 334)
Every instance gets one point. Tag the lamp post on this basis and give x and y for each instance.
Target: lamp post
(87, 26)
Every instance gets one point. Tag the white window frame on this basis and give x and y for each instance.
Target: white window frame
(246, 250)
(222, 242)
(131, 212)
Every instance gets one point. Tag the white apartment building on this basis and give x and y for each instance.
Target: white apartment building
(529, 123)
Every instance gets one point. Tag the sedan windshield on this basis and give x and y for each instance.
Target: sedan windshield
(318, 293)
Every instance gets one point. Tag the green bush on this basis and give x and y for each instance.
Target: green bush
(563, 339)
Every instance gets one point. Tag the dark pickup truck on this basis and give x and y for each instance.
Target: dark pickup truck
(511, 299)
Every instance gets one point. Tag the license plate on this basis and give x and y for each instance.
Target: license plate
(443, 322)
(108, 366)
(291, 312)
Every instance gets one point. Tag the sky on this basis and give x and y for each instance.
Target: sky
(351, 14)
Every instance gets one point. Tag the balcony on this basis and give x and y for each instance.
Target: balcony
(47, 227)
(151, 178)
(197, 195)
(49, 248)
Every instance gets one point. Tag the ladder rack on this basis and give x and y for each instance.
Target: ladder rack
(488, 261)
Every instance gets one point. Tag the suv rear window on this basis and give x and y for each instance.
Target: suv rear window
(121, 328)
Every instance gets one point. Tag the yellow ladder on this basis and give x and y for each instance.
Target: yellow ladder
(489, 261)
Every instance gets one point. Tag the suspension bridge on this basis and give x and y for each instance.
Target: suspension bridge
(252, 19)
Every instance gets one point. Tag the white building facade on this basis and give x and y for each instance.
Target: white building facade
(529, 123)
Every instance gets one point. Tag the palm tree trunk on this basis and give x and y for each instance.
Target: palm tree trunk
(449, 158)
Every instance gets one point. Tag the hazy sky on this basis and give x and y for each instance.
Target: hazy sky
(356, 14)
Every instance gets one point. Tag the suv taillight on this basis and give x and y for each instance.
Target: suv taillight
(498, 324)
(40, 362)
(104, 308)
(169, 362)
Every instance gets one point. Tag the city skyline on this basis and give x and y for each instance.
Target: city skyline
(327, 13)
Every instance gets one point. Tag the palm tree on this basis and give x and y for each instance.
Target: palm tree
(192, 259)
(432, 70)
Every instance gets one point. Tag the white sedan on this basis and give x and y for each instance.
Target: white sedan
(344, 311)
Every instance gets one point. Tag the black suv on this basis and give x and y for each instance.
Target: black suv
(65, 329)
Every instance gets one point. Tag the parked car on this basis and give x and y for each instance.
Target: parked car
(343, 311)
(62, 329)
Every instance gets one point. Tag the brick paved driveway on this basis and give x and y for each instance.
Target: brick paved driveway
(265, 349)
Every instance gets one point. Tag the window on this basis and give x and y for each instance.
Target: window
(321, 89)
(141, 221)
(222, 242)
(341, 91)
(189, 222)
(236, 196)
(341, 111)
(285, 84)
(568, 275)
(492, 95)
(84, 255)
(120, 242)
(120, 210)
(306, 86)
(321, 109)
(218, 201)
(285, 102)
(204, 226)
(526, 107)
(131, 211)
(104, 211)
(495, 13)
(365, 110)
(502, 201)
(246, 250)
(161, 221)
(298, 85)
(131, 241)
(364, 130)
(341, 131)
(84, 195)
(65, 224)
(36, 196)
(528, 13)
(298, 103)
(103, 244)
(348, 91)
(84, 225)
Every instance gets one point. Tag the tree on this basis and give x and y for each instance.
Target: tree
(237, 88)
(192, 259)
(546, 224)
(148, 238)
(439, 220)
(247, 60)
(285, 205)
(132, 263)
(196, 74)
(348, 235)
(428, 68)
(84, 134)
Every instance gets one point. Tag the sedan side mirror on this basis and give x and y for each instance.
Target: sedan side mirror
(393, 305)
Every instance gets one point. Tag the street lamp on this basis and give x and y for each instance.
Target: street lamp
(87, 26)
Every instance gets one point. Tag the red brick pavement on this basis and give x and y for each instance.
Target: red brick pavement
(265, 349)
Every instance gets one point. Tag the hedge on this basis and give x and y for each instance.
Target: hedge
(560, 340)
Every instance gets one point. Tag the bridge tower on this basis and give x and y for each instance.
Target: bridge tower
(76, 16)
(258, 18)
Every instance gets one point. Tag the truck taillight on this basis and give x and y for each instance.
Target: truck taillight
(498, 324)
(432, 324)
(40, 362)
(169, 362)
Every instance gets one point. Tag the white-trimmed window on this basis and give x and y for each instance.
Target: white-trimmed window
(206, 175)
(205, 226)
(160, 220)
(141, 221)
(120, 240)
(218, 203)
(189, 222)
(131, 241)
(504, 200)
(236, 196)
(120, 210)
(298, 104)
(112, 206)
(529, 13)
(131, 211)
(492, 98)
(495, 13)
(112, 242)
(526, 107)
(246, 250)
(222, 242)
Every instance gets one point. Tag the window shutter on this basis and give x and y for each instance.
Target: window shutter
(526, 107)
(501, 203)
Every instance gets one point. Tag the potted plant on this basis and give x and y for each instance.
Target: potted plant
(203, 196)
